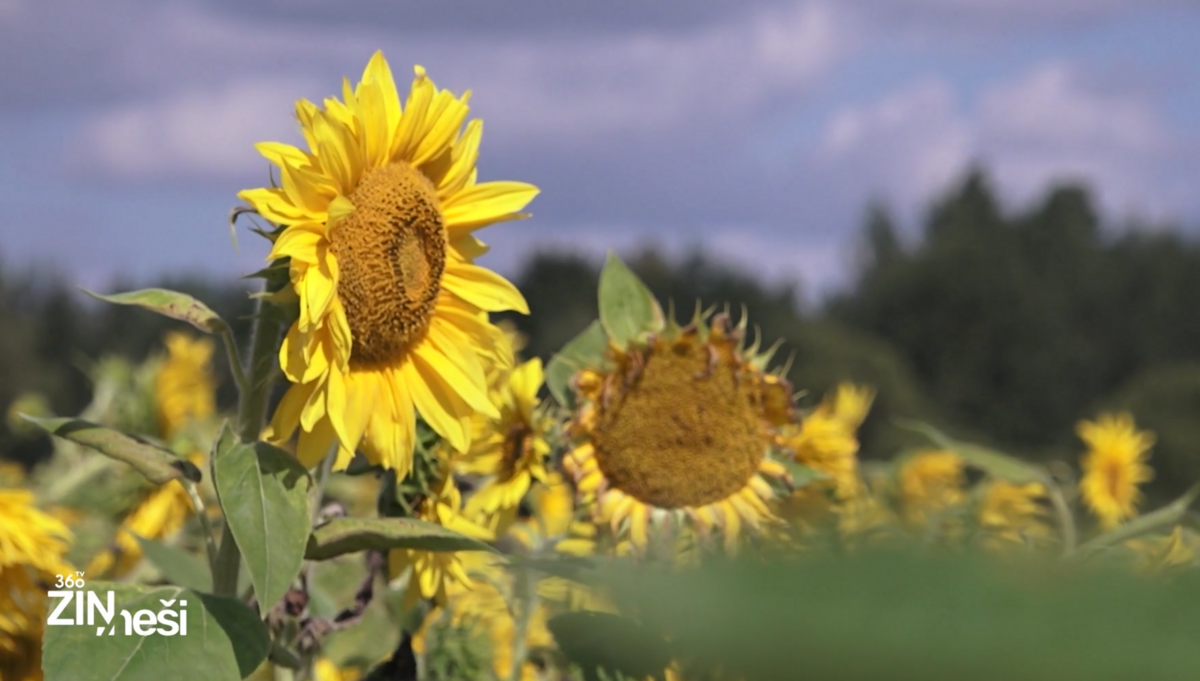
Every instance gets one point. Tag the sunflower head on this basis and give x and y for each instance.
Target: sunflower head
(377, 220)
(32, 549)
(930, 481)
(1114, 466)
(827, 438)
(1014, 514)
(509, 451)
(679, 426)
(184, 387)
(436, 574)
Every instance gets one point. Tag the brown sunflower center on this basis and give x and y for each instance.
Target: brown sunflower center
(391, 253)
(517, 442)
(685, 432)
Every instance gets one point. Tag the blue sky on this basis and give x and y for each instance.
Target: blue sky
(760, 128)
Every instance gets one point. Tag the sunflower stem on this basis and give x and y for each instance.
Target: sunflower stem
(235, 360)
(1065, 519)
(526, 600)
(210, 539)
(264, 352)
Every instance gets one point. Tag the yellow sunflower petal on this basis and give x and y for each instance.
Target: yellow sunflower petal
(483, 288)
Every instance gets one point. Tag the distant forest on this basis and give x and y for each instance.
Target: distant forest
(1005, 328)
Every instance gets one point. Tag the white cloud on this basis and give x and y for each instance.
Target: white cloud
(908, 144)
(1049, 105)
(1043, 126)
(527, 88)
(195, 132)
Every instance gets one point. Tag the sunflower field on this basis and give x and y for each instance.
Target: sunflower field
(400, 494)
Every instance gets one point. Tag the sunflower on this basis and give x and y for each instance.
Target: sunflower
(490, 608)
(184, 385)
(377, 221)
(930, 482)
(827, 439)
(1011, 513)
(434, 573)
(551, 514)
(1114, 466)
(677, 431)
(511, 449)
(32, 548)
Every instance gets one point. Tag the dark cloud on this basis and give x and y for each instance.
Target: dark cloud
(529, 18)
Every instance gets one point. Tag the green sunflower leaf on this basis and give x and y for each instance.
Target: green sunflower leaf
(223, 639)
(990, 461)
(1163, 518)
(628, 310)
(176, 565)
(584, 351)
(158, 464)
(350, 535)
(264, 496)
(171, 304)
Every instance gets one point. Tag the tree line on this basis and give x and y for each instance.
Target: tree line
(1006, 327)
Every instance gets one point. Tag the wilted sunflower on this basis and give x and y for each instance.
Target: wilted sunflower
(930, 482)
(32, 546)
(509, 450)
(435, 573)
(1114, 466)
(680, 430)
(378, 220)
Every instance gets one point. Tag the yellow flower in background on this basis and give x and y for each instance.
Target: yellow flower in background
(509, 450)
(1014, 514)
(1114, 466)
(678, 432)
(32, 549)
(488, 608)
(930, 482)
(552, 513)
(325, 670)
(184, 387)
(378, 221)
(508, 346)
(435, 573)
(827, 439)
